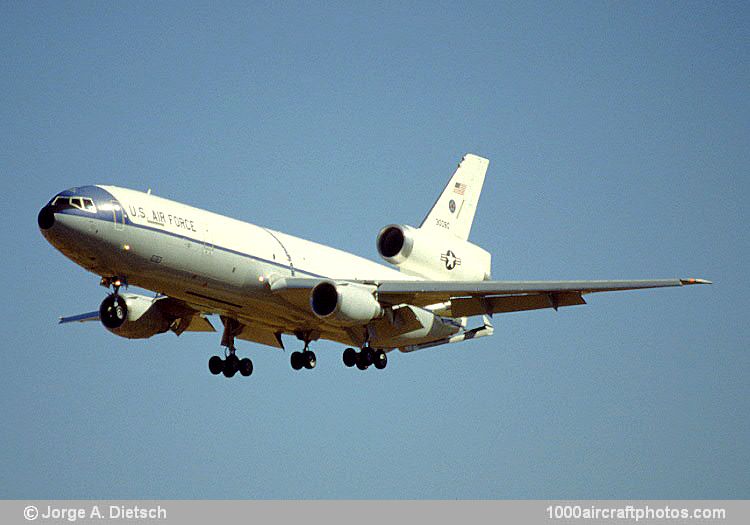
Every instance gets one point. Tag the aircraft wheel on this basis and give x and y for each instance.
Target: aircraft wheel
(380, 360)
(367, 355)
(113, 311)
(350, 357)
(246, 367)
(296, 360)
(231, 365)
(216, 365)
(362, 363)
(309, 359)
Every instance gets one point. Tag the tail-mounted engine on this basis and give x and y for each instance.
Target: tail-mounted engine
(433, 255)
(133, 316)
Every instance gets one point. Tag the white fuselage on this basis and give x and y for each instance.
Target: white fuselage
(286, 254)
(213, 262)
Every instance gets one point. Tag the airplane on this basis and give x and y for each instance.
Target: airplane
(264, 284)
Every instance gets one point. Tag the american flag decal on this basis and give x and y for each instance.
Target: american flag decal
(459, 188)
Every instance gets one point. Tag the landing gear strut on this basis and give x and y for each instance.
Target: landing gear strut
(232, 364)
(365, 357)
(115, 282)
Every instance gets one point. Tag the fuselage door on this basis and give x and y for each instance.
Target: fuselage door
(118, 215)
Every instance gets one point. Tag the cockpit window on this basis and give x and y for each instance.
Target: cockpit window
(61, 202)
(80, 203)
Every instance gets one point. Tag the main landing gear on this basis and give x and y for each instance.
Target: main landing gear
(365, 357)
(306, 358)
(303, 359)
(232, 364)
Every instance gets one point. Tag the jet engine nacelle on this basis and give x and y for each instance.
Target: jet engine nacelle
(345, 304)
(432, 255)
(133, 316)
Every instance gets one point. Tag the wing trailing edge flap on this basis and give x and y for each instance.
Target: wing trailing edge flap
(192, 323)
(261, 335)
(186, 318)
(470, 306)
(423, 293)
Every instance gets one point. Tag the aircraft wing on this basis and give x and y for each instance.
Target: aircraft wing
(488, 297)
(465, 299)
(186, 318)
(80, 318)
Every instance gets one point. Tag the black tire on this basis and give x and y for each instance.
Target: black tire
(309, 359)
(367, 355)
(380, 359)
(246, 367)
(113, 311)
(296, 360)
(350, 357)
(231, 365)
(362, 363)
(216, 365)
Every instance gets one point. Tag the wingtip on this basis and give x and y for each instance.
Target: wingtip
(695, 281)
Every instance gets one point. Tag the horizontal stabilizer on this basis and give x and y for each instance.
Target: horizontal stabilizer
(485, 330)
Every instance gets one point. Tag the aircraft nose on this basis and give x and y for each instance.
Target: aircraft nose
(46, 218)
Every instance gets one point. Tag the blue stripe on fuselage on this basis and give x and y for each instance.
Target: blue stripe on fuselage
(107, 217)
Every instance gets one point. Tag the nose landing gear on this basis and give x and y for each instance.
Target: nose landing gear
(115, 282)
(113, 310)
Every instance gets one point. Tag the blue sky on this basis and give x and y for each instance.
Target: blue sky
(617, 134)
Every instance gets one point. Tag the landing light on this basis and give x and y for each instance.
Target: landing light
(126, 247)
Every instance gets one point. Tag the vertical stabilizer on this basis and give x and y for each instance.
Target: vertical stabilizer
(454, 210)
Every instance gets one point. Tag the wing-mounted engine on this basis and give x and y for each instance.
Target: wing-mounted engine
(345, 304)
(135, 316)
(431, 254)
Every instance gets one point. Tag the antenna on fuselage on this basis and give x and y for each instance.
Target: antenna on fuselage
(148, 192)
